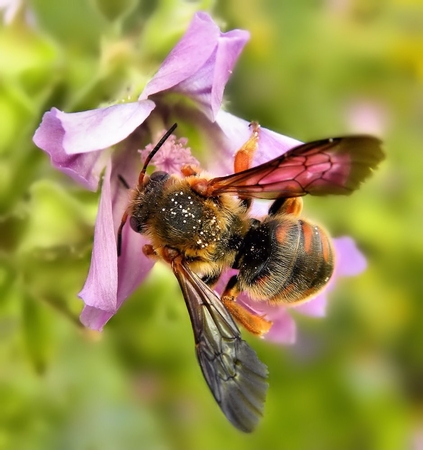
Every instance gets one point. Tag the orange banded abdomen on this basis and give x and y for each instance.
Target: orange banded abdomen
(284, 259)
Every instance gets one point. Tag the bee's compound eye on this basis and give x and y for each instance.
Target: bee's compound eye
(135, 224)
(159, 176)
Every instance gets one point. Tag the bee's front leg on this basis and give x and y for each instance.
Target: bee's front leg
(149, 251)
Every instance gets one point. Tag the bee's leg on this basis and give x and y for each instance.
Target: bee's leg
(254, 324)
(149, 251)
(244, 156)
(293, 205)
(189, 170)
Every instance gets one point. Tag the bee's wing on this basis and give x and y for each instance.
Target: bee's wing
(235, 375)
(328, 166)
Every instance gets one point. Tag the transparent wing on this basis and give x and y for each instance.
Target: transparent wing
(233, 372)
(328, 166)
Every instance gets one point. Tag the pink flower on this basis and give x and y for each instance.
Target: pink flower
(187, 88)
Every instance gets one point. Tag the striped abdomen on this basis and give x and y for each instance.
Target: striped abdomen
(284, 259)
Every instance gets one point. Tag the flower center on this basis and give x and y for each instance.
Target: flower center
(172, 156)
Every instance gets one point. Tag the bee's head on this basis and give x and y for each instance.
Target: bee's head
(146, 183)
(154, 180)
(145, 200)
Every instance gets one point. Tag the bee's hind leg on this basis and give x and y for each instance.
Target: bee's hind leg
(254, 324)
(292, 205)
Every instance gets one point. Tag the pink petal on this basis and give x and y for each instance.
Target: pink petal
(85, 168)
(208, 84)
(133, 265)
(230, 47)
(94, 318)
(67, 137)
(237, 132)
(111, 279)
(316, 307)
(100, 289)
(98, 129)
(350, 261)
(200, 65)
(132, 269)
(284, 329)
(187, 57)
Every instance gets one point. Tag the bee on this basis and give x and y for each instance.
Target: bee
(201, 225)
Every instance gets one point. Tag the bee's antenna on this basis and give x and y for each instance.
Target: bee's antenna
(155, 150)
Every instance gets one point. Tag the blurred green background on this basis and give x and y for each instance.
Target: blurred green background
(313, 68)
